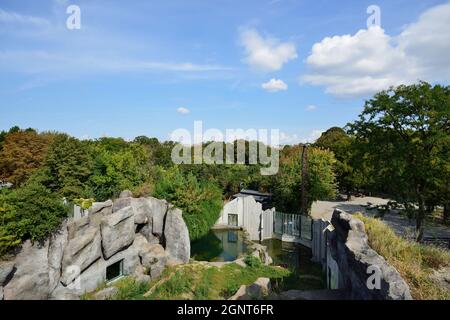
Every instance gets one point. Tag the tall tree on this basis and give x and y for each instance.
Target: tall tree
(68, 166)
(23, 152)
(321, 178)
(336, 139)
(404, 132)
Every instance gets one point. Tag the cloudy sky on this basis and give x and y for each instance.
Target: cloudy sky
(151, 67)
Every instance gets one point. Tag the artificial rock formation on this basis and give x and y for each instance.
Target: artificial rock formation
(357, 261)
(144, 234)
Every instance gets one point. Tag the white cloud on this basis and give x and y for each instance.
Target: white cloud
(13, 17)
(311, 107)
(183, 110)
(371, 60)
(38, 61)
(274, 85)
(314, 135)
(268, 54)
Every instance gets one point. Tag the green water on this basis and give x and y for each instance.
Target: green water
(305, 274)
(219, 246)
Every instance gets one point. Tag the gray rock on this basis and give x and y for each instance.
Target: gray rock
(77, 227)
(155, 260)
(80, 253)
(95, 275)
(106, 293)
(140, 206)
(64, 293)
(260, 289)
(350, 249)
(121, 203)
(117, 231)
(1, 293)
(240, 294)
(6, 269)
(147, 232)
(101, 207)
(74, 260)
(58, 242)
(126, 194)
(141, 210)
(178, 245)
(158, 210)
(153, 257)
(31, 279)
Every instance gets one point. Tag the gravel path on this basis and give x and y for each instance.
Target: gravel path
(401, 225)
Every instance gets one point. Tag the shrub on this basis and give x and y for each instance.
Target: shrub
(252, 261)
(201, 202)
(31, 212)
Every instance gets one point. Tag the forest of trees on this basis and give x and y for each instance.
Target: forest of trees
(47, 167)
(399, 147)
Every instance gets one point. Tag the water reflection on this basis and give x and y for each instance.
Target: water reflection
(219, 246)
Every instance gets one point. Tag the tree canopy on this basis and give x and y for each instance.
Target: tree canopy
(404, 133)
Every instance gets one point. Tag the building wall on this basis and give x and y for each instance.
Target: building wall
(249, 214)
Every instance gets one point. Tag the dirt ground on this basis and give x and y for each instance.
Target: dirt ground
(401, 224)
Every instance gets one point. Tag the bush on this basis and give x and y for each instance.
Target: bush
(201, 202)
(31, 212)
(252, 261)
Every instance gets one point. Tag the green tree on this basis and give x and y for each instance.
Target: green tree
(201, 201)
(341, 144)
(23, 152)
(404, 132)
(30, 212)
(321, 182)
(68, 166)
(118, 169)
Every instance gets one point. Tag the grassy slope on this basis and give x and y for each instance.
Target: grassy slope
(203, 282)
(414, 261)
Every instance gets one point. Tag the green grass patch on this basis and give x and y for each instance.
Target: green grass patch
(414, 261)
(197, 282)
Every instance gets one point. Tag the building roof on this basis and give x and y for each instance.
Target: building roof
(254, 193)
(258, 196)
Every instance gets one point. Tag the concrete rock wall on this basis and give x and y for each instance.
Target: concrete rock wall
(358, 264)
(145, 233)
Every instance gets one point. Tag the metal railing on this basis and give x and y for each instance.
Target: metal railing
(292, 225)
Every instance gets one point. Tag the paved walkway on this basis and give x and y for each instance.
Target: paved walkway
(401, 224)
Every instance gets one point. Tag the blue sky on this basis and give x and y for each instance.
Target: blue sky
(150, 67)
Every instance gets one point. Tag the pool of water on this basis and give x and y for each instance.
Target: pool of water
(219, 246)
(288, 255)
(305, 275)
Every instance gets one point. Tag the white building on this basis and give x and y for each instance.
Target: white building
(246, 211)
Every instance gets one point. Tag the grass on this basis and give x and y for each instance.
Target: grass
(414, 261)
(204, 282)
(197, 281)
